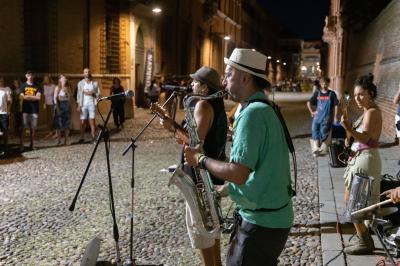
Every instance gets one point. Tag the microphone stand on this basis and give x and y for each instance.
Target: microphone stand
(133, 146)
(104, 135)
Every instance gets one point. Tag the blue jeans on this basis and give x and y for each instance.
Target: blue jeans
(320, 130)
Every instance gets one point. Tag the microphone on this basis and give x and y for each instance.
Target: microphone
(126, 94)
(187, 88)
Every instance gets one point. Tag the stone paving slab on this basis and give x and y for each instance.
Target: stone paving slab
(332, 255)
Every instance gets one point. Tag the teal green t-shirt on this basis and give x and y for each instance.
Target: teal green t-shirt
(259, 143)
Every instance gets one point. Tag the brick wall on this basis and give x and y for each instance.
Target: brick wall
(376, 49)
(70, 36)
(12, 36)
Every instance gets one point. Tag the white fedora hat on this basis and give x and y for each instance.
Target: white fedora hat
(248, 60)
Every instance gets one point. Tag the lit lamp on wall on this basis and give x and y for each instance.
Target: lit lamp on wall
(226, 36)
(156, 10)
(222, 35)
(154, 3)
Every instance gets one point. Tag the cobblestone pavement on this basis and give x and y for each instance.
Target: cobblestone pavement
(36, 190)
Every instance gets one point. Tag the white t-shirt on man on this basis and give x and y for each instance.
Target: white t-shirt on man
(88, 88)
(5, 97)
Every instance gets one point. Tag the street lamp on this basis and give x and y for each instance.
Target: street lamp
(269, 57)
(278, 61)
(156, 10)
(284, 63)
(227, 38)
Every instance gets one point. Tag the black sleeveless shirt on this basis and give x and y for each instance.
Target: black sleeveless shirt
(215, 141)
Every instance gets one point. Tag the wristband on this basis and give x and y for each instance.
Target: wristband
(198, 157)
(202, 161)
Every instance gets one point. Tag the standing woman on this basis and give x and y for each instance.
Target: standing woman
(48, 91)
(117, 103)
(365, 155)
(62, 119)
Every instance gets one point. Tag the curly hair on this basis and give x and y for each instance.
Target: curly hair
(366, 82)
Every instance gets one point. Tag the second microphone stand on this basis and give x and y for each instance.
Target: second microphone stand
(133, 146)
(104, 135)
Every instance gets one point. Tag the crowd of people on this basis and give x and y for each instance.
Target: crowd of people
(20, 105)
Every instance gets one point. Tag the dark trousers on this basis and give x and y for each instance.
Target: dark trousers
(254, 245)
(119, 114)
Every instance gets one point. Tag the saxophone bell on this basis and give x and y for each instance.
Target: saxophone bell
(200, 211)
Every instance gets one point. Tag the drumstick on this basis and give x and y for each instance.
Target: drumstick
(370, 208)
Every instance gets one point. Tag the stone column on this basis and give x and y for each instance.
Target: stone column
(334, 35)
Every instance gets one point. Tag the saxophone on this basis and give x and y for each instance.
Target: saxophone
(201, 197)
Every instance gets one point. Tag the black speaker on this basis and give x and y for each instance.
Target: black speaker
(335, 150)
(338, 131)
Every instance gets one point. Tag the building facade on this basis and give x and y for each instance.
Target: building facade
(363, 38)
(310, 59)
(116, 38)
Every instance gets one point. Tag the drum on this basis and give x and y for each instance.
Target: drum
(359, 194)
(336, 155)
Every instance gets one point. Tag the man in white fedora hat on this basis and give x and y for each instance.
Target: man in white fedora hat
(258, 171)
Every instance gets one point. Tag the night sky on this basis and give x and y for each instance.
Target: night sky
(305, 18)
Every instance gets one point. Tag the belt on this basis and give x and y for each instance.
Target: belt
(238, 218)
(267, 209)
